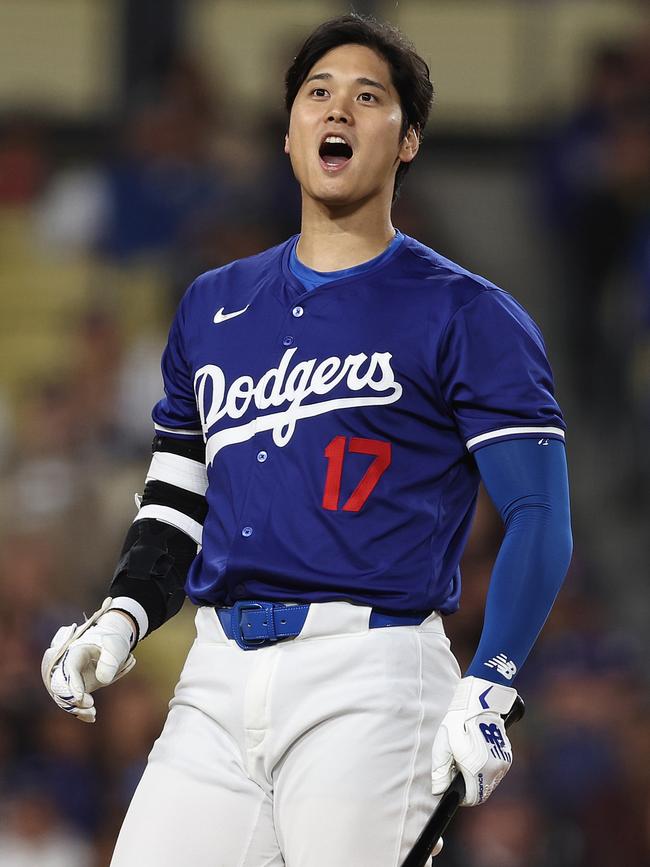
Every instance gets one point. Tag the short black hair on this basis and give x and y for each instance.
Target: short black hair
(409, 72)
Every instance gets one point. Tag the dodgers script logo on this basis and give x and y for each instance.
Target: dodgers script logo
(288, 388)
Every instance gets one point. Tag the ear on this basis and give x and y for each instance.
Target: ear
(410, 145)
(286, 143)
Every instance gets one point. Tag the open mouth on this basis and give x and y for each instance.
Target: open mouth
(334, 153)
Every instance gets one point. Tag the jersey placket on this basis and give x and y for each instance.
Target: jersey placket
(254, 513)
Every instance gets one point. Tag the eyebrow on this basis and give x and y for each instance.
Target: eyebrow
(369, 82)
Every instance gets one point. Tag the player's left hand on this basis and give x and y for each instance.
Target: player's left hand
(472, 739)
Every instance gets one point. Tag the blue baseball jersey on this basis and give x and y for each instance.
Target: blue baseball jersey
(340, 420)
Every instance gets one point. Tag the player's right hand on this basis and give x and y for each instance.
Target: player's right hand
(472, 739)
(83, 658)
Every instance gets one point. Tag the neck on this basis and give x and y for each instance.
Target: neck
(335, 238)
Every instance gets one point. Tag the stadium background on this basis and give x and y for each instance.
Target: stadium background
(141, 143)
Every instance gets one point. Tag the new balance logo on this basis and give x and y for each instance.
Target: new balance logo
(503, 665)
(542, 442)
(220, 316)
(495, 740)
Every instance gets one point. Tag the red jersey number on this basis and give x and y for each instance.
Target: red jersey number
(335, 454)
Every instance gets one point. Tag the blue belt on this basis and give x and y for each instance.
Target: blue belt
(254, 624)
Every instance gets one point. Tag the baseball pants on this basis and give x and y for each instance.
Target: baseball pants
(312, 752)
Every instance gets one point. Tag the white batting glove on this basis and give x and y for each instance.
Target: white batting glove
(472, 739)
(83, 658)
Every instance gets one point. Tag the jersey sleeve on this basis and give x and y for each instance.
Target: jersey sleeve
(495, 377)
(177, 415)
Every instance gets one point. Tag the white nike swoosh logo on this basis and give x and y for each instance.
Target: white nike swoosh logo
(220, 316)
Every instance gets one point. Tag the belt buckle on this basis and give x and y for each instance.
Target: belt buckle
(237, 613)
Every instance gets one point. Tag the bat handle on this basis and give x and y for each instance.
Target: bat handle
(515, 713)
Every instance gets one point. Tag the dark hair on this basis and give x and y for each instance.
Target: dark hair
(409, 73)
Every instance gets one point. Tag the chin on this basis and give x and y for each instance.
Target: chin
(335, 198)
(335, 194)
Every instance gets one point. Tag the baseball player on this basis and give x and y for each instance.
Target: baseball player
(330, 407)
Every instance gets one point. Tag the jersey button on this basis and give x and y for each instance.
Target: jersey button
(262, 456)
(297, 312)
(246, 532)
(288, 340)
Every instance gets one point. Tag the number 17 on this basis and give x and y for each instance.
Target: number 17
(335, 453)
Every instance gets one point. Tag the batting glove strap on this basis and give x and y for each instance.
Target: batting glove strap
(475, 696)
(136, 611)
(472, 739)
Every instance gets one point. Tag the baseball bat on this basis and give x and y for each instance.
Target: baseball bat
(443, 814)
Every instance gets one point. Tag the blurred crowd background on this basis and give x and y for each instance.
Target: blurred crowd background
(140, 144)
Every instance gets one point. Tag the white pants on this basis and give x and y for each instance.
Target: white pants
(314, 752)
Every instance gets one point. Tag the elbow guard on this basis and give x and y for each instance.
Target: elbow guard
(152, 569)
(163, 540)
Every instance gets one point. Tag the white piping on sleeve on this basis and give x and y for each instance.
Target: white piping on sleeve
(513, 431)
(179, 431)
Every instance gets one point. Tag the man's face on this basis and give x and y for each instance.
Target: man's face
(347, 95)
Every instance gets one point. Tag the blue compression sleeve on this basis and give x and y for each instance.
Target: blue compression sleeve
(527, 481)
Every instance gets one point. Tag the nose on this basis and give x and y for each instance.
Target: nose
(338, 116)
